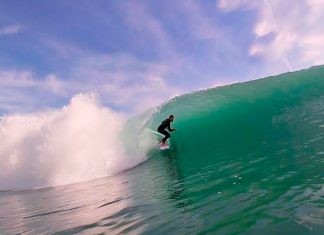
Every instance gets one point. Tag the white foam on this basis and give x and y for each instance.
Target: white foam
(79, 142)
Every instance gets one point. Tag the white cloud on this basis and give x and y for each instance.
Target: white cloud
(297, 34)
(139, 16)
(10, 29)
(201, 26)
(12, 79)
(121, 82)
(24, 91)
(64, 50)
(231, 5)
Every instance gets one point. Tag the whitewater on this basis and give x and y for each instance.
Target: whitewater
(79, 142)
(247, 158)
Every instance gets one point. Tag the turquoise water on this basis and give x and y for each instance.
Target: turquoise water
(246, 159)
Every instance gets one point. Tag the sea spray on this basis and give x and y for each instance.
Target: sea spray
(79, 142)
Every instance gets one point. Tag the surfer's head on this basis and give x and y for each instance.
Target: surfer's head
(171, 117)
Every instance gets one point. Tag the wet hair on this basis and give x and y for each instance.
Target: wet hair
(171, 116)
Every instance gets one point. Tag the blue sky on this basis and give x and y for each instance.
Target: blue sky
(136, 54)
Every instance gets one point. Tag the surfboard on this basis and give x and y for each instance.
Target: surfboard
(165, 147)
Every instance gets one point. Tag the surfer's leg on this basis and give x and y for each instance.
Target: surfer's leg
(165, 133)
(167, 136)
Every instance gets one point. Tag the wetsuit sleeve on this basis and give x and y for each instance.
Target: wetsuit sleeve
(169, 127)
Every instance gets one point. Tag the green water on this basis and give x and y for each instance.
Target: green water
(245, 159)
(251, 155)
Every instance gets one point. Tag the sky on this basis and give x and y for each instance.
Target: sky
(136, 54)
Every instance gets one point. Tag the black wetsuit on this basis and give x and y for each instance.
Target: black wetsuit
(165, 124)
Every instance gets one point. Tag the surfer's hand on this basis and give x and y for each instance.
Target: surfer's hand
(173, 129)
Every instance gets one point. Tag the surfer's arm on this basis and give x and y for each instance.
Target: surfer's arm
(169, 128)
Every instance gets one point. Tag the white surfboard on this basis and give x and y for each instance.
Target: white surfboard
(162, 147)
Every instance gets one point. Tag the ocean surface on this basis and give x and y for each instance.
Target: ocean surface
(246, 158)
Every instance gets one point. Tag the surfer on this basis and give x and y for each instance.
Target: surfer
(166, 124)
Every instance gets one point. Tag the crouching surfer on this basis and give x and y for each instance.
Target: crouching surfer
(166, 124)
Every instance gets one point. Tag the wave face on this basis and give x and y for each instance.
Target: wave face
(79, 142)
(273, 117)
(251, 150)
